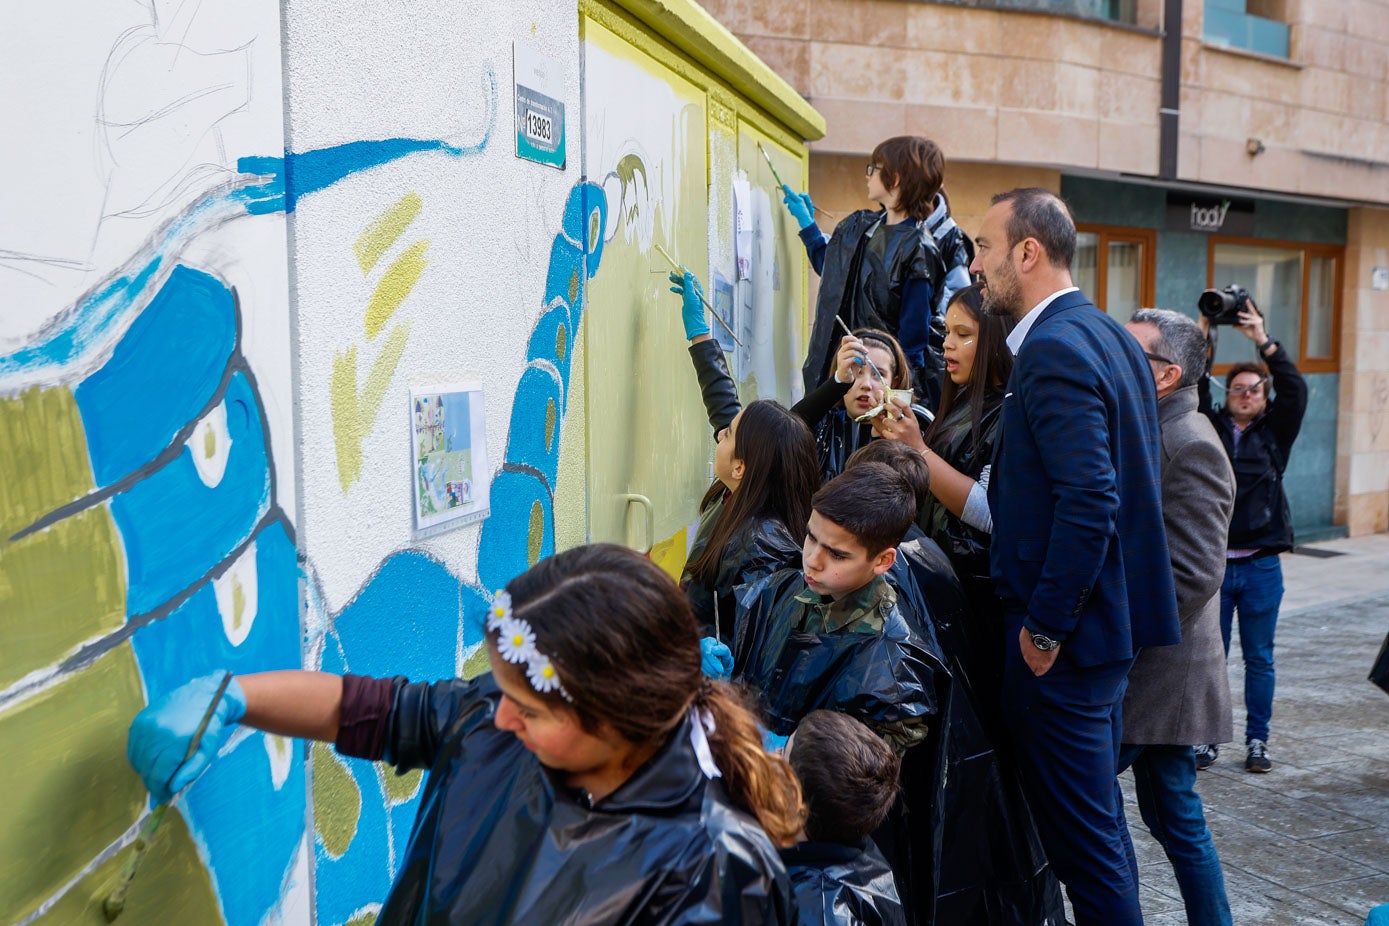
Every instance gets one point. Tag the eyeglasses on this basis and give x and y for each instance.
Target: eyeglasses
(872, 169)
(1159, 358)
(1245, 390)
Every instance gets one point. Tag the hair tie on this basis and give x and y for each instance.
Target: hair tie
(701, 724)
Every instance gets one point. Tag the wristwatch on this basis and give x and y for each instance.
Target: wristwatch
(1043, 642)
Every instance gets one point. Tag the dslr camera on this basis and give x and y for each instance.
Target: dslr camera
(1222, 306)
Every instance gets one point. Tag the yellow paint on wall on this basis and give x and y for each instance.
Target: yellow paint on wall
(172, 886)
(400, 277)
(58, 588)
(385, 229)
(337, 802)
(669, 554)
(401, 788)
(44, 459)
(67, 789)
(354, 412)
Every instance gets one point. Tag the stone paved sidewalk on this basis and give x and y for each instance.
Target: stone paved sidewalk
(1307, 843)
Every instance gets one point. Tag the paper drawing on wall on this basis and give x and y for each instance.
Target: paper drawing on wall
(450, 449)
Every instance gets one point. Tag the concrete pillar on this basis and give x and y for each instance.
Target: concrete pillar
(1362, 451)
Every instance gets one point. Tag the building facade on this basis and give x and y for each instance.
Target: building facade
(1199, 142)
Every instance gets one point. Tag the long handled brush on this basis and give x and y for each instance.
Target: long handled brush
(114, 905)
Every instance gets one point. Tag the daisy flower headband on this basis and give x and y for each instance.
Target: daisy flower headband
(516, 644)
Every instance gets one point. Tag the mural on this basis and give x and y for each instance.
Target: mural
(148, 487)
(144, 539)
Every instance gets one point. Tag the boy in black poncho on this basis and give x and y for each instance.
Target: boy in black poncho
(849, 778)
(833, 635)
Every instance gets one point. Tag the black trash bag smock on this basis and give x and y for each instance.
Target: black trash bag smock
(500, 839)
(838, 885)
(975, 855)
(864, 288)
(760, 546)
(884, 677)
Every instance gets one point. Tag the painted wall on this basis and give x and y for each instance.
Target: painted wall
(215, 297)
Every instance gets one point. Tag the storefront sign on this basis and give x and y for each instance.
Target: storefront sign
(539, 107)
(1209, 215)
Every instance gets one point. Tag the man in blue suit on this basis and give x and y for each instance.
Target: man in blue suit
(1079, 552)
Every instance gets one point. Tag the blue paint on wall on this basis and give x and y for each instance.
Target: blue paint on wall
(412, 591)
(175, 528)
(189, 643)
(161, 374)
(249, 829)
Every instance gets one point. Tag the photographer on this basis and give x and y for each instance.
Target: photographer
(1258, 432)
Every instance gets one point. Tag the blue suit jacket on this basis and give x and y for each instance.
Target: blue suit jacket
(1079, 551)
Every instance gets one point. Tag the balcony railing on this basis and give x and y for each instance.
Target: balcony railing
(1229, 23)
(1121, 11)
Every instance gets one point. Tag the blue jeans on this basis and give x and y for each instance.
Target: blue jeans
(1254, 588)
(1165, 777)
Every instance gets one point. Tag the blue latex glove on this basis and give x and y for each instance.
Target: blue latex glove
(686, 285)
(800, 205)
(773, 742)
(160, 734)
(715, 658)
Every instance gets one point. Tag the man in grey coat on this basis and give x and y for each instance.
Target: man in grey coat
(1180, 694)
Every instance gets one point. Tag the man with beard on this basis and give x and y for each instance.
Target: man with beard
(1079, 552)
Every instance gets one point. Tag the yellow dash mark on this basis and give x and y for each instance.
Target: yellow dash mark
(210, 443)
(355, 412)
(385, 229)
(536, 539)
(399, 278)
(238, 603)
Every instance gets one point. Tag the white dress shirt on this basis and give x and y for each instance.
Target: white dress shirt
(1019, 333)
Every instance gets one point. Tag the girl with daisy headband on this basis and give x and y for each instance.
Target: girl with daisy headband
(593, 776)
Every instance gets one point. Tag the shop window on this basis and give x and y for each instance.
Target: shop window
(1253, 25)
(1296, 286)
(1115, 267)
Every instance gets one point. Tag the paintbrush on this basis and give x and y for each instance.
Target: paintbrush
(681, 267)
(777, 177)
(114, 905)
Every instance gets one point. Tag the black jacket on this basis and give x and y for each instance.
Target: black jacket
(760, 546)
(955, 443)
(500, 839)
(975, 855)
(864, 291)
(1262, 519)
(839, 885)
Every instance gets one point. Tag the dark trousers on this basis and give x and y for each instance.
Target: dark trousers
(1065, 728)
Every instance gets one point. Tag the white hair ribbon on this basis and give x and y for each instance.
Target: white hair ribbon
(701, 723)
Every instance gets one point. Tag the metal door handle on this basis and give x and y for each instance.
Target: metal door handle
(645, 503)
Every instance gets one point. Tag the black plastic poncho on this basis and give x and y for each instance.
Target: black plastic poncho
(839, 885)
(883, 679)
(968, 450)
(975, 854)
(500, 839)
(864, 289)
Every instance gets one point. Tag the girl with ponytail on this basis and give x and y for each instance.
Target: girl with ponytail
(593, 776)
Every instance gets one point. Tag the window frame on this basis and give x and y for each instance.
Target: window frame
(1309, 250)
(1125, 234)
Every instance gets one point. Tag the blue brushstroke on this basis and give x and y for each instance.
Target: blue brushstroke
(161, 375)
(174, 528)
(269, 184)
(190, 642)
(249, 829)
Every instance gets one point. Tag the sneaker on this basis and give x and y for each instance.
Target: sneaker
(1205, 755)
(1257, 760)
